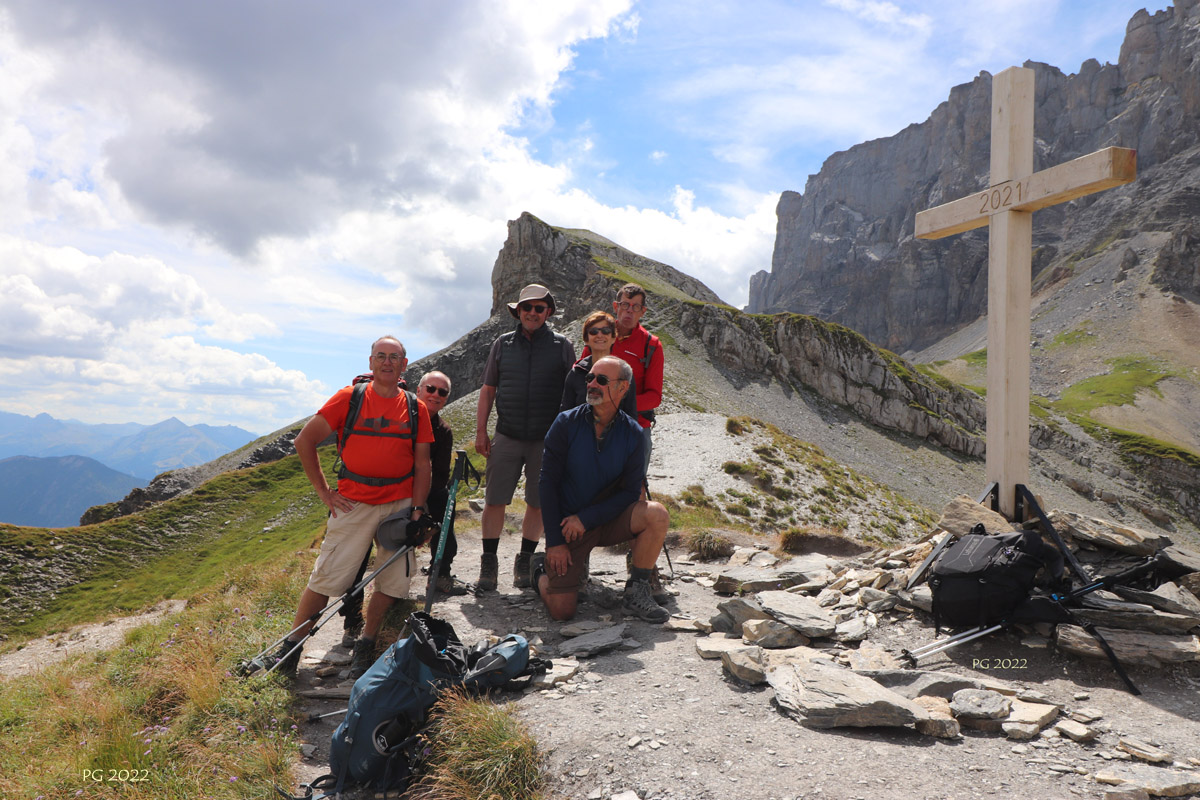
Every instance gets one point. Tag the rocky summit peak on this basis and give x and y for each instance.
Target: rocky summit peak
(845, 249)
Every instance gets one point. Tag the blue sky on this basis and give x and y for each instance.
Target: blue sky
(209, 210)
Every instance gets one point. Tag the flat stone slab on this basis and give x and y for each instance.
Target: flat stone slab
(798, 611)
(962, 513)
(580, 627)
(590, 644)
(1157, 781)
(1130, 647)
(772, 633)
(823, 696)
(1107, 534)
(1183, 559)
(754, 579)
(1169, 597)
(1144, 750)
(713, 645)
(1039, 714)
(979, 704)
(1149, 621)
(732, 614)
(913, 683)
(746, 665)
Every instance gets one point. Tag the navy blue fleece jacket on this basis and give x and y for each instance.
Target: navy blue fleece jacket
(597, 483)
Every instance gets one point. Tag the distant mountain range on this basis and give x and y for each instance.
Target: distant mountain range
(139, 450)
(53, 492)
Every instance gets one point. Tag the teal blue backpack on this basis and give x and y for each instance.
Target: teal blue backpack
(379, 742)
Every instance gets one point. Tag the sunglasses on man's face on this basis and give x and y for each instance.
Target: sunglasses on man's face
(536, 308)
(602, 380)
(606, 330)
(437, 390)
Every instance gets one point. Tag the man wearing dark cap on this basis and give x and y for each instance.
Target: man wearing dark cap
(523, 378)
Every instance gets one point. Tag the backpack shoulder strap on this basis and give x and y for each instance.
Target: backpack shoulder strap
(414, 420)
(356, 401)
(651, 345)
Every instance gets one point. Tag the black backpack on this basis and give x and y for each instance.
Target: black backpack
(982, 579)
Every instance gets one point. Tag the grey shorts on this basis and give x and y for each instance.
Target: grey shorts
(504, 466)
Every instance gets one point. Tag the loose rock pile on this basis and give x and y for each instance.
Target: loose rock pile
(804, 627)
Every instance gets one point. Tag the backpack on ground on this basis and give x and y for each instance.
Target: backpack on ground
(982, 579)
(379, 741)
(389, 705)
(501, 664)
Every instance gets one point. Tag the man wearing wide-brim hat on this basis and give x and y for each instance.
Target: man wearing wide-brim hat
(523, 378)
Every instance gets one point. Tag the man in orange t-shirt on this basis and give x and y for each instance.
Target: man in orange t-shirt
(387, 469)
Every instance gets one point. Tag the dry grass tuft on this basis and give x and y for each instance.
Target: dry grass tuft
(480, 752)
(707, 545)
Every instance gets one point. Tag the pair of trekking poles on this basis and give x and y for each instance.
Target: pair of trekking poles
(463, 471)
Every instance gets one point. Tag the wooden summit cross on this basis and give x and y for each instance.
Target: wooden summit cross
(1007, 207)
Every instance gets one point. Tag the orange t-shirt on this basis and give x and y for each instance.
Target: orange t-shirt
(370, 454)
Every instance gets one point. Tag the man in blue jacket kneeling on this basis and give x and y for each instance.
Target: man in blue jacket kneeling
(593, 469)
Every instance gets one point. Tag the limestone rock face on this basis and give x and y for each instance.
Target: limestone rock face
(581, 270)
(844, 249)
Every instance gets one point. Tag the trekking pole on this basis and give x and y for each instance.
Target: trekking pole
(933, 648)
(462, 465)
(317, 620)
(666, 552)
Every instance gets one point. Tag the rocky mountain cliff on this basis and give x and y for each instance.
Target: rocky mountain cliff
(845, 250)
(819, 381)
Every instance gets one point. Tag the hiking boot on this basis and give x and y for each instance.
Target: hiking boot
(521, 570)
(364, 657)
(350, 634)
(637, 601)
(489, 572)
(660, 595)
(284, 664)
(537, 568)
(447, 585)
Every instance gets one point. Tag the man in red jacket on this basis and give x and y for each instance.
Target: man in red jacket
(643, 351)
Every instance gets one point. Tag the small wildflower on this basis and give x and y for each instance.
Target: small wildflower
(233, 778)
(147, 752)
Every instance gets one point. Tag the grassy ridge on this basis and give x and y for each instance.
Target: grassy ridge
(162, 716)
(173, 550)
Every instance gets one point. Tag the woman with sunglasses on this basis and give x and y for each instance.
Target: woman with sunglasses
(599, 335)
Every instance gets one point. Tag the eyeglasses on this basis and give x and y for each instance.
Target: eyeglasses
(536, 308)
(602, 380)
(437, 390)
(389, 357)
(606, 330)
(634, 307)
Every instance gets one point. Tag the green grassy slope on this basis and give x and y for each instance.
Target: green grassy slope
(51, 579)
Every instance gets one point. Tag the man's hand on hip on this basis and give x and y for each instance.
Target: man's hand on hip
(335, 502)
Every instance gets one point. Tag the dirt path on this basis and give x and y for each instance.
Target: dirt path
(38, 653)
